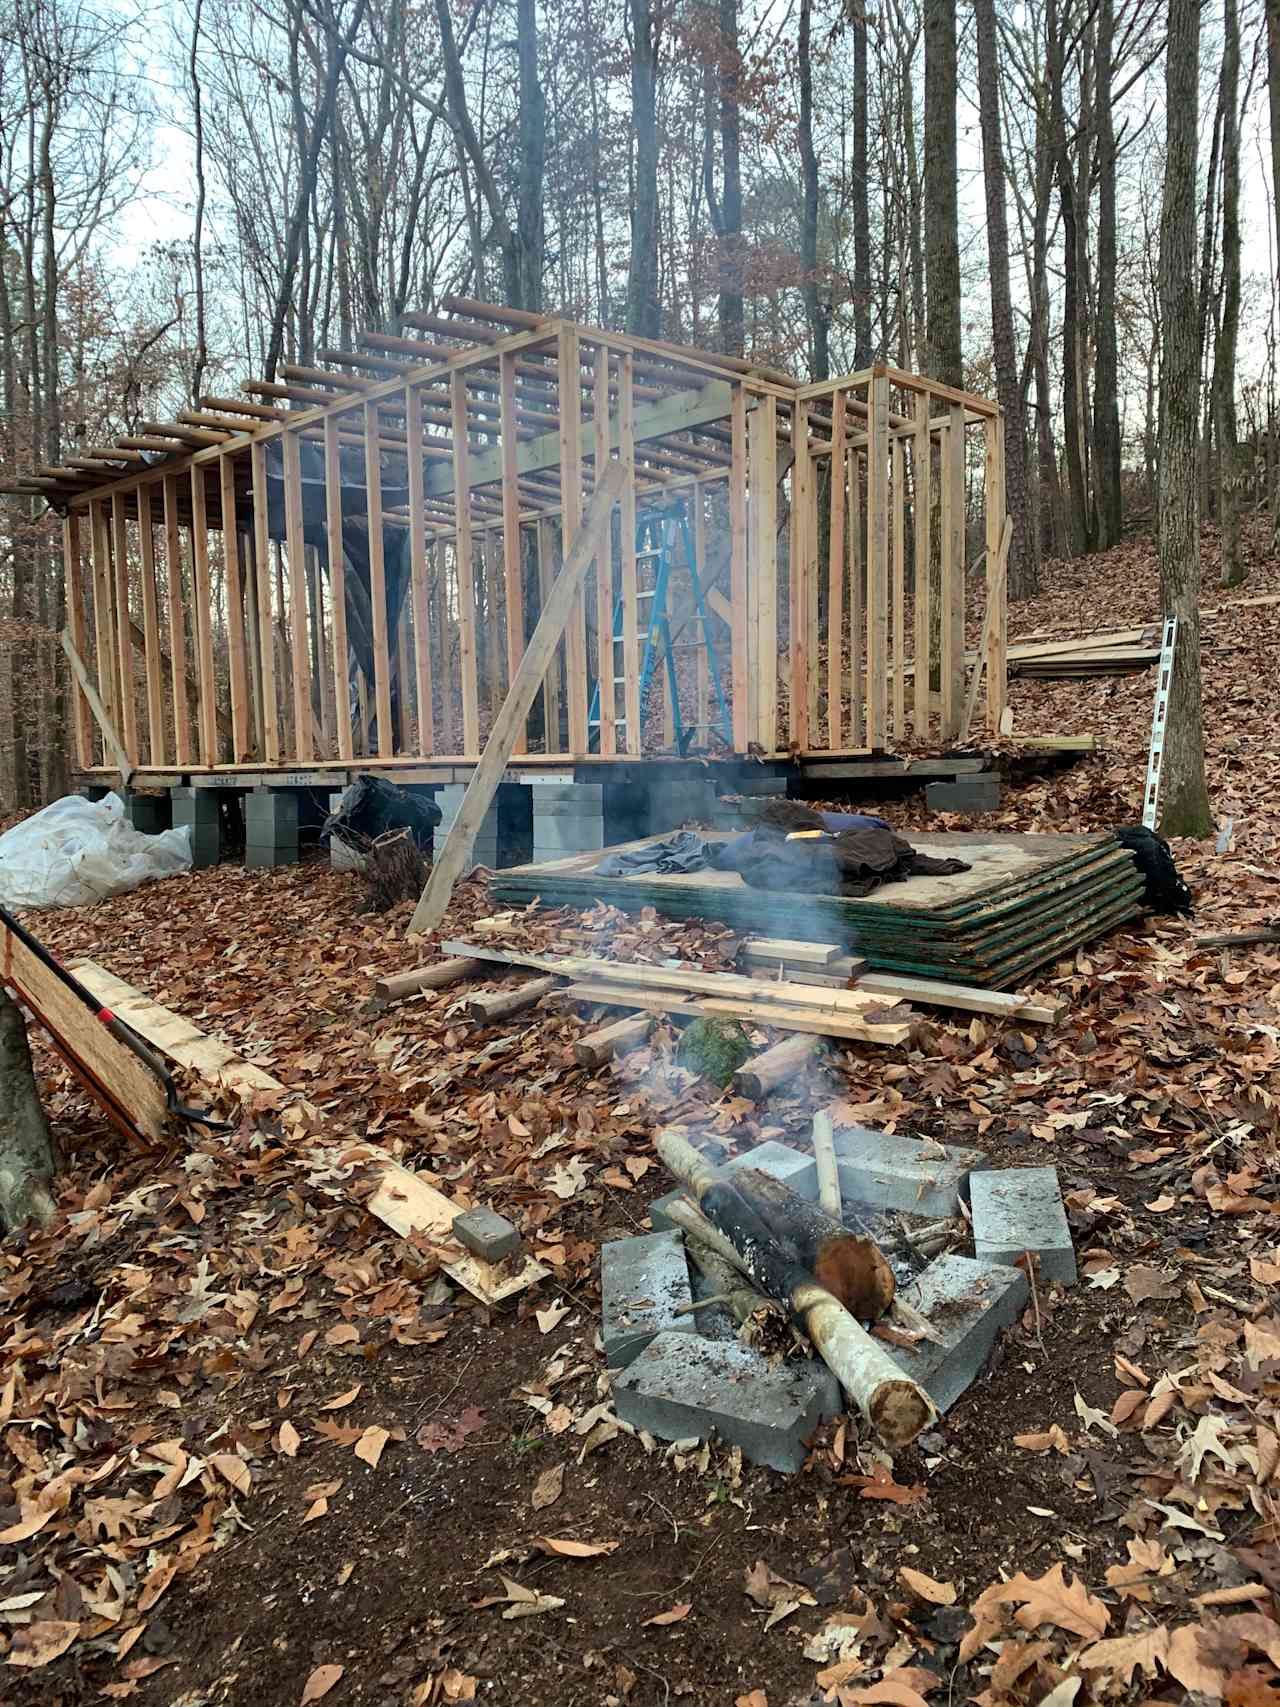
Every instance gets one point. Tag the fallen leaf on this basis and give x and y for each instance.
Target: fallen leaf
(526, 1601)
(40, 1643)
(320, 1682)
(1092, 1418)
(30, 1525)
(1050, 1599)
(231, 1466)
(157, 1582)
(548, 1487)
(288, 1440)
(926, 1588)
(575, 1549)
(449, 1436)
(370, 1444)
(341, 1400)
(551, 1317)
(1123, 1655)
(673, 1615)
(1142, 1283)
(757, 1698)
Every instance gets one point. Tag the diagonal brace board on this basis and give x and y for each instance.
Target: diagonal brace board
(592, 537)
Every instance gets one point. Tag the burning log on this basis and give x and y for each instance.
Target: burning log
(849, 1264)
(894, 1405)
(773, 1067)
(763, 1321)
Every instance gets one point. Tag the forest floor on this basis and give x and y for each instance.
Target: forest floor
(257, 1450)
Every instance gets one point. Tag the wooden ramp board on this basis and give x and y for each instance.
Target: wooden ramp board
(173, 1035)
(404, 1201)
(112, 1073)
(1025, 901)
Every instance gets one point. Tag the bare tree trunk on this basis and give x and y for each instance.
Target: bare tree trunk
(1024, 563)
(1185, 800)
(1273, 97)
(644, 317)
(1106, 405)
(201, 358)
(861, 200)
(1077, 513)
(533, 145)
(941, 216)
(817, 309)
(29, 1158)
(1233, 572)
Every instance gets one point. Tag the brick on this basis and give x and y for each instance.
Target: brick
(790, 1166)
(486, 1234)
(969, 1303)
(887, 1171)
(682, 1385)
(643, 1282)
(1021, 1209)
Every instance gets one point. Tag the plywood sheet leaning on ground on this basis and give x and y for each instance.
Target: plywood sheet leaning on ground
(113, 1074)
(1026, 901)
(402, 1201)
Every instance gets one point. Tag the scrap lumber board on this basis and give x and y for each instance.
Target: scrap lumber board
(403, 1201)
(731, 986)
(1001, 1004)
(790, 949)
(171, 1034)
(889, 1033)
(410, 1203)
(111, 1072)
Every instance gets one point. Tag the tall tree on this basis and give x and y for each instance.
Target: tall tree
(532, 157)
(1224, 366)
(1185, 799)
(817, 304)
(1106, 400)
(1024, 565)
(1273, 102)
(944, 358)
(725, 209)
(644, 312)
(861, 198)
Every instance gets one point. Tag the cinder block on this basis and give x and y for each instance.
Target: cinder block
(658, 1210)
(672, 804)
(206, 846)
(1021, 1209)
(576, 835)
(884, 1170)
(270, 815)
(643, 1282)
(583, 794)
(682, 1385)
(969, 1303)
(792, 1167)
(195, 807)
(148, 813)
(973, 792)
(486, 1234)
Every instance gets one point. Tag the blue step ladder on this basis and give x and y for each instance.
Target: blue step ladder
(659, 531)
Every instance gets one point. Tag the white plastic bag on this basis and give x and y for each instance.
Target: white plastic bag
(77, 851)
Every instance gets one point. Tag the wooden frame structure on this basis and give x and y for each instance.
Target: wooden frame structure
(235, 610)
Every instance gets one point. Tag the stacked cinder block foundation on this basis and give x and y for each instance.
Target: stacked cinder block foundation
(678, 1379)
(585, 817)
(505, 834)
(270, 828)
(196, 809)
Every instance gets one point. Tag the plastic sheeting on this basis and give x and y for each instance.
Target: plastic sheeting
(77, 851)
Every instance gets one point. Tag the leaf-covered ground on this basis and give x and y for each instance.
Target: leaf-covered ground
(258, 1450)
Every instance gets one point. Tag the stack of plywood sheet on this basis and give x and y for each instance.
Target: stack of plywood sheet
(1026, 901)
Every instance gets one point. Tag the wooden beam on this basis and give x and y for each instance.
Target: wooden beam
(764, 523)
(605, 660)
(110, 738)
(512, 566)
(922, 522)
(568, 356)
(378, 585)
(877, 558)
(467, 661)
(899, 573)
(634, 741)
(551, 694)
(592, 536)
(338, 582)
(74, 575)
(953, 574)
(835, 584)
(423, 677)
(207, 687)
(299, 647)
(995, 606)
(266, 625)
(798, 578)
(997, 641)
(855, 625)
(237, 657)
(124, 635)
(738, 578)
(183, 751)
(157, 747)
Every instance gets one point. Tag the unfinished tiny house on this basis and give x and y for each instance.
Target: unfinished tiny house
(340, 569)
